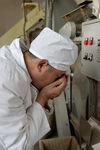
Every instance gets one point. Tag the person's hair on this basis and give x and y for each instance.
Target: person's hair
(34, 57)
(30, 55)
(50, 68)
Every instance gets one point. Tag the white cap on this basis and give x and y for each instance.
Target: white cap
(60, 51)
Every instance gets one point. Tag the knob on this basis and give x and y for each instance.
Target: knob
(85, 57)
(90, 57)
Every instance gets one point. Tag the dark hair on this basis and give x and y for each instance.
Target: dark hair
(31, 55)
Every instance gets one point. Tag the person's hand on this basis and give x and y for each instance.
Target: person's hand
(52, 90)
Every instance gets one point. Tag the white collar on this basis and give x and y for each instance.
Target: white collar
(17, 48)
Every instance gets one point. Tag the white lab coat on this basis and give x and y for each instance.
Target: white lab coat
(22, 120)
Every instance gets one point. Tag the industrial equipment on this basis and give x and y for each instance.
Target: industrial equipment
(91, 49)
(85, 84)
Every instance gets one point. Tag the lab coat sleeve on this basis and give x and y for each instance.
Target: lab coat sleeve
(20, 129)
(38, 121)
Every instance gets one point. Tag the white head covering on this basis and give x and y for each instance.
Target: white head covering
(60, 51)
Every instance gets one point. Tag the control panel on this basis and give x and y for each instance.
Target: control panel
(91, 49)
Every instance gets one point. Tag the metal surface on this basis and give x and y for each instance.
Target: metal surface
(98, 101)
(80, 91)
(96, 146)
(84, 94)
(91, 52)
(62, 121)
(48, 13)
(92, 99)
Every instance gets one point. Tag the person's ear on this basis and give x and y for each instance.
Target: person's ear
(41, 64)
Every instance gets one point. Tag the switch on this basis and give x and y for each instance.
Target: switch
(98, 42)
(90, 57)
(91, 41)
(85, 42)
(86, 56)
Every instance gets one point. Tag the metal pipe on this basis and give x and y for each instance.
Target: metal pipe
(48, 13)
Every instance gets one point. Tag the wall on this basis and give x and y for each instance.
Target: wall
(10, 13)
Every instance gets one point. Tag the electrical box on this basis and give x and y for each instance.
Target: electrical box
(91, 49)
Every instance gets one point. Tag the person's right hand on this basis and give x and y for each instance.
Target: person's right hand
(52, 90)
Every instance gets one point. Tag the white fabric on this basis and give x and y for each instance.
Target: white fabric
(2, 145)
(22, 120)
(60, 51)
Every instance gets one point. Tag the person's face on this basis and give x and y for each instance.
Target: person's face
(43, 74)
